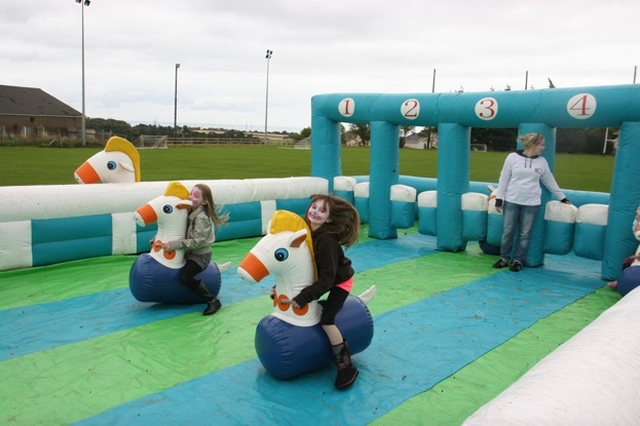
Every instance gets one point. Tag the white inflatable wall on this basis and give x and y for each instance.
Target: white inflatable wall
(592, 379)
(46, 224)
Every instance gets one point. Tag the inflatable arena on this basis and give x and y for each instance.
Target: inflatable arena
(95, 330)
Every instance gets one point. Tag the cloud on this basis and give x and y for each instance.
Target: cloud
(131, 48)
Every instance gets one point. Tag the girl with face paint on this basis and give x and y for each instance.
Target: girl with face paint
(202, 222)
(334, 223)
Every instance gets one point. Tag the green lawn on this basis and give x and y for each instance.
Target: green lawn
(47, 166)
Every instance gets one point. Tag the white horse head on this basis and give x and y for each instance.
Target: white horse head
(287, 253)
(170, 211)
(119, 162)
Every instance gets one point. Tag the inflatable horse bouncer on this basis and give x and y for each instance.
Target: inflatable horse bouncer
(155, 276)
(119, 162)
(291, 341)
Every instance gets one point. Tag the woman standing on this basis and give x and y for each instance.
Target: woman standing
(519, 196)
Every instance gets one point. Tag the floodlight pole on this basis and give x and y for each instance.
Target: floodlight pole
(175, 105)
(266, 107)
(433, 81)
(84, 115)
(433, 90)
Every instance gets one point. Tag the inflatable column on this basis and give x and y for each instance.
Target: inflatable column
(325, 149)
(383, 174)
(625, 197)
(453, 181)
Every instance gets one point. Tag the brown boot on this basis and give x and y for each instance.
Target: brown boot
(347, 373)
(213, 304)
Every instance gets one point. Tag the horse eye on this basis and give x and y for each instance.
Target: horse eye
(281, 254)
(167, 208)
(111, 165)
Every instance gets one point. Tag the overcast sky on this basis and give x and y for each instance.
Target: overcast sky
(328, 46)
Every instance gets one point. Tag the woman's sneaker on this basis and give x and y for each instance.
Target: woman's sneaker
(516, 266)
(500, 264)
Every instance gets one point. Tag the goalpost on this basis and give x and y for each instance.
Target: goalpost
(613, 142)
(151, 142)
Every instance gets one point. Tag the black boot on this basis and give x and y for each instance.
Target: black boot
(213, 304)
(347, 373)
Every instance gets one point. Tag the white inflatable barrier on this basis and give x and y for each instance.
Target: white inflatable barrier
(344, 186)
(559, 220)
(592, 379)
(361, 200)
(591, 225)
(567, 228)
(56, 201)
(427, 207)
(494, 224)
(474, 216)
(403, 206)
(47, 224)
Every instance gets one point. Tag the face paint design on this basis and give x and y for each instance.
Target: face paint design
(318, 214)
(196, 197)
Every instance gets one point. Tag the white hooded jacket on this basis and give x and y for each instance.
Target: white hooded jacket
(520, 180)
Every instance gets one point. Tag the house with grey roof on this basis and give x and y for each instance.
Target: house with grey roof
(29, 111)
(415, 141)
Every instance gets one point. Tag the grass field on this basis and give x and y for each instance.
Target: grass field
(48, 166)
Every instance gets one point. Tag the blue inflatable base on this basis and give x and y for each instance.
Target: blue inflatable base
(150, 281)
(629, 279)
(489, 248)
(287, 351)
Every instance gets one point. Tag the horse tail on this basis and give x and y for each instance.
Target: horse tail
(368, 294)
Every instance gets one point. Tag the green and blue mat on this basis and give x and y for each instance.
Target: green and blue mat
(450, 333)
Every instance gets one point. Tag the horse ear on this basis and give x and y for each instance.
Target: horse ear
(128, 167)
(298, 238)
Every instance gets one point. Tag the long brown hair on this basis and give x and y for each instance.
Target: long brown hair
(210, 208)
(344, 220)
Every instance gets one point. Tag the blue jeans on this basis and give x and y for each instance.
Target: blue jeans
(516, 218)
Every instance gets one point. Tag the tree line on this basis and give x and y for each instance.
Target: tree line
(571, 141)
(121, 128)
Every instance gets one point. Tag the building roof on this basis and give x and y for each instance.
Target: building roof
(30, 101)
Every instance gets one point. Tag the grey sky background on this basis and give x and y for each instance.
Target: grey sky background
(330, 46)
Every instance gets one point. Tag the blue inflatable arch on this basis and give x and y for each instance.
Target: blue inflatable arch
(454, 114)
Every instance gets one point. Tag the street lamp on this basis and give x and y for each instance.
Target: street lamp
(266, 107)
(84, 122)
(175, 105)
